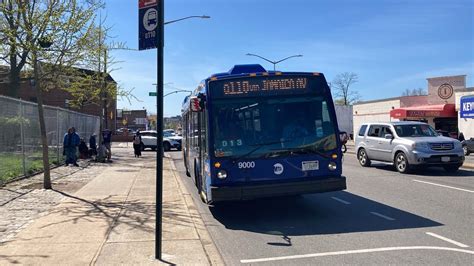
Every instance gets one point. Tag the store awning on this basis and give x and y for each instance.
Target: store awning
(440, 110)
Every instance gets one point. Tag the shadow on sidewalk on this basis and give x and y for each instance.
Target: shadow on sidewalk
(134, 215)
(10, 259)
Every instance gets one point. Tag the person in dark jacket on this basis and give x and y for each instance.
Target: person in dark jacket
(137, 144)
(92, 145)
(70, 143)
(83, 150)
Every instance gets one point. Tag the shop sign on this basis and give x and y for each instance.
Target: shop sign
(466, 109)
(423, 113)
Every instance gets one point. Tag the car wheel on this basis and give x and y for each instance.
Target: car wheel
(363, 158)
(451, 168)
(166, 146)
(401, 163)
(466, 150)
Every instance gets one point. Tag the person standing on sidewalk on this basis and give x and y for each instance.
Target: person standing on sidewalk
(71, 141)
(107, 137)
(137, 144)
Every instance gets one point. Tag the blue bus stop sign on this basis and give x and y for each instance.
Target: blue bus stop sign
(466, 110)
(147, 24)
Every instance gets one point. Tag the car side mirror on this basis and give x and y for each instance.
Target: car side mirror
(388, 136)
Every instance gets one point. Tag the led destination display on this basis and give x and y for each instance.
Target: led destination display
(260, 86)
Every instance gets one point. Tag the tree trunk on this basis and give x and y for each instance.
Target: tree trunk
(44, 140)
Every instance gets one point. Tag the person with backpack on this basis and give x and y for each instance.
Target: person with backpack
(137, 144)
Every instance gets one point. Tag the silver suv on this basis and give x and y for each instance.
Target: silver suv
(407, 144)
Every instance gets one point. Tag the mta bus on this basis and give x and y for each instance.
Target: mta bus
(250, 133)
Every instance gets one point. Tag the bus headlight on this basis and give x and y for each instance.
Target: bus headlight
(332, 166)
(222, 174)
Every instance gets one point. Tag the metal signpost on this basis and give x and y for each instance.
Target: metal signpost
(151, 21)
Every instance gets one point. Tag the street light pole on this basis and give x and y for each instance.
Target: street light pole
(274, 62)
(176, 20)
(159, 125)
(159, 129)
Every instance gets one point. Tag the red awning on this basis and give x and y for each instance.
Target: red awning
(440, 110)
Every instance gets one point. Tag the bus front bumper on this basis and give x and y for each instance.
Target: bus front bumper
(249, 192)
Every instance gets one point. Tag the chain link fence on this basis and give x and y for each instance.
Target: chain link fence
(20, 139)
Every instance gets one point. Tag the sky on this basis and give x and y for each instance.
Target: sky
(391, 45)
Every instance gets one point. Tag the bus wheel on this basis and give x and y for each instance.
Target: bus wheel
(197, 179)
(186, 164)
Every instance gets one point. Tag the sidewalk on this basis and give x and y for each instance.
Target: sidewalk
(468, 163)
(111, 220)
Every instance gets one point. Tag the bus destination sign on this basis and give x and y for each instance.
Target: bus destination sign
(259, 86)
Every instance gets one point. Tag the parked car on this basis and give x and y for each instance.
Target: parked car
(468, 146)
(149, 140)
(407, 144)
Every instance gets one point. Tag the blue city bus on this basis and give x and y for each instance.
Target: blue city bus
(251, 133)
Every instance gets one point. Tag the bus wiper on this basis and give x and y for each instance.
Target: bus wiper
(258, 146)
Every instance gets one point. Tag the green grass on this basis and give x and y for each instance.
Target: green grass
(11, 165)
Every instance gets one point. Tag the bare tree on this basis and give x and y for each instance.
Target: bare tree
(414, 92)
(341, 86)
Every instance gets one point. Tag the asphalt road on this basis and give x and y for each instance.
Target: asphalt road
(382, 218)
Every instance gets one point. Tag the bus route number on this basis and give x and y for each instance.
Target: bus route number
(232, 143)
(246, 165)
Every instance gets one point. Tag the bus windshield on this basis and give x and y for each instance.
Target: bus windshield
(272, 127)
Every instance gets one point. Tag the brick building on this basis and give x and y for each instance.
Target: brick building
(132, 119)
(60, 97)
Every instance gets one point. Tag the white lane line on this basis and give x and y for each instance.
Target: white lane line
(439, 185)
(447, 240)
(383, 216)
(358, 251)
(341, 201)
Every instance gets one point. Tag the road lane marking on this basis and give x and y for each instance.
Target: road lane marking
(357, 251)
(340, 200)
(447, 240)
(383, 216)
(439, 185)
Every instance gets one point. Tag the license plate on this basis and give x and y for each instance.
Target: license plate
(310, 165)
(445, 159)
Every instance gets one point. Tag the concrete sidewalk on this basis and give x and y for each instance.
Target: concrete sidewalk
(111, 220)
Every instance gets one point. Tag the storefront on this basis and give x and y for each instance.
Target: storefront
(438, 108)
(466, 112)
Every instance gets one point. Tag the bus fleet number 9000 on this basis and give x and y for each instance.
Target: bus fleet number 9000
(246, 165)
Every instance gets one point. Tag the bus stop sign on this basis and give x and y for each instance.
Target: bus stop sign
(148, 24)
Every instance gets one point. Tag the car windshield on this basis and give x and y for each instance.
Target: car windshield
(272, 126)
(415, 130)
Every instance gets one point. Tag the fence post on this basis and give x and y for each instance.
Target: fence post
(22, 136)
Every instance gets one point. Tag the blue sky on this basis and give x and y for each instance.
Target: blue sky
(391, 45)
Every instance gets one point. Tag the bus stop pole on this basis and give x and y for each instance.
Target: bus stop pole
(159, 129)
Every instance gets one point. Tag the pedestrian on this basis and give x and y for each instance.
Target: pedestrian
(137, 144)
(107, 137)
(92, 146)
(461, 137)
(83, 150)
(70, 143)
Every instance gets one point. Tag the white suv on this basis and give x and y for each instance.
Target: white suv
(149, 138)
(407, 144)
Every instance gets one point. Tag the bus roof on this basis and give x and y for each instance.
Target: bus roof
(242, 70)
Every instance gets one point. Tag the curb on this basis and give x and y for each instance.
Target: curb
(465, 165)
(213, 255)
